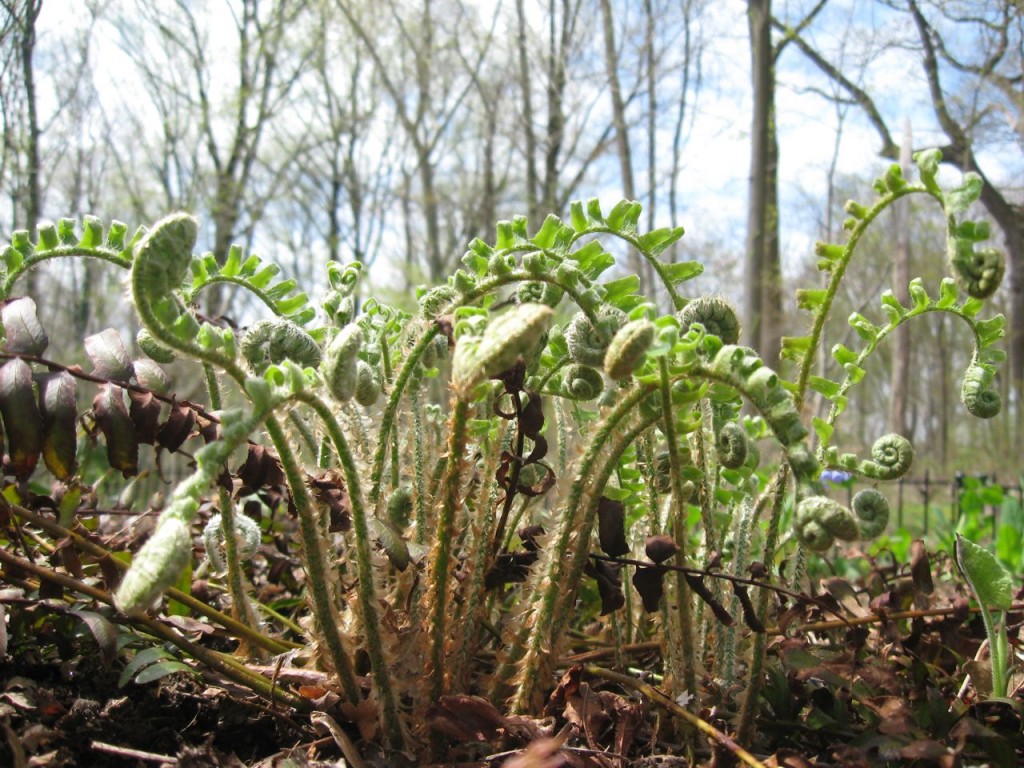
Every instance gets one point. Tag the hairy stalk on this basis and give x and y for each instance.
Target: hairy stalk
(366, 586)
(683, 612)
(212, 387)
(438, 580)
(354, 419)
(240, 605)
(755, 678)
(528, 652)
(419, 461)
(320, 579)
(387, 418)
(305, 433)
(466, 619)
(726, 656)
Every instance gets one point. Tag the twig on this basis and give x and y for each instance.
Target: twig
(134, 754)
(665, 701)
(348, 749)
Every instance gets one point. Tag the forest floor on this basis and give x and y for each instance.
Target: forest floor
(891, 682)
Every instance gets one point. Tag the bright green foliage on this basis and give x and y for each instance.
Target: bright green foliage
(569, 402)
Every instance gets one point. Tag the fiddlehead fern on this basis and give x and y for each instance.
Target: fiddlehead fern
(977, 393)
(340, 363)
(891, 458)
(587, 343)
(717, 315)
(733, 445)
(506, 338)
(628, 348)
(819, 521)
(539, 292)
(581, 382)
(270, 342)
(872, 511)
(979, 271)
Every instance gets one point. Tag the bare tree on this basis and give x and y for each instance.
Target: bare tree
(21, 121)
(986, 65)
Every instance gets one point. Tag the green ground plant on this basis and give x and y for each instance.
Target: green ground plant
(471, 484)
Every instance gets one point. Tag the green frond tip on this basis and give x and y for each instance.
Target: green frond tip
(979, 272)
(819, 521)
(156, 566)
(506, 338)
(628, 348)
(872, 511)
(717, 315)
(977, 394)
(892, 456)
(163, 256)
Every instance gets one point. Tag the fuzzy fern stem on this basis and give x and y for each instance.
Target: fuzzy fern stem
(366, 586)
(438, 580)
(319, 579)
(684, 608)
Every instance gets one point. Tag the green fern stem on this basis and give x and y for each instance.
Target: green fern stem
(241, 282)
(684, 609)
(849, 381)
(776, 492)
(387, 419)
(213, 387)
(438, 580)
(366, 586)
(482, 289)
(318, 574)
(419, 461)
(533, 642)
(837, 270)
(103, 254)
(240, 605)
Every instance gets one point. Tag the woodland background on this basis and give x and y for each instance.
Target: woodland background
(396, 131)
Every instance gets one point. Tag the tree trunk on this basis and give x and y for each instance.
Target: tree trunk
(525, 83)
(640, 266)
(762, 279)
(556, 119)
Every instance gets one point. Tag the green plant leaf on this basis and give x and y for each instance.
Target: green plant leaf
(984, 574)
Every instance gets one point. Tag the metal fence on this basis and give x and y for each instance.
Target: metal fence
(939, 500)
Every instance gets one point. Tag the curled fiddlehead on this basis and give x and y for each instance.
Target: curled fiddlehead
(163, 256)
(248, 531)
(539, 292)
(717, 315)
(891, 457)
(438, 300)
(340, 364)
(872, 511)
(628, 348)
(269, 342)
(367, 384)
(742, 369)
(159, 563)
(581, 382)
(733, 445)
(587, 343)
(506, 338)
(979, 272)
(819, 521)
(339, 302)
(977, 393)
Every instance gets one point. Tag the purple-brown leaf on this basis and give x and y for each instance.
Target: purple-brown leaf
(59, 410)
(22, 421)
